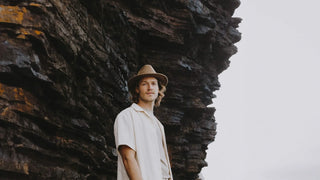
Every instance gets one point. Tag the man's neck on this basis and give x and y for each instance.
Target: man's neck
(148, 106)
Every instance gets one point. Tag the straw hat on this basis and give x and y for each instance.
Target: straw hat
(147, 71)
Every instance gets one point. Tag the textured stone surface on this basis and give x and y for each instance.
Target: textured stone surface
(64, 67)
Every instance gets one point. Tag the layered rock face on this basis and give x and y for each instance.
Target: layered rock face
(64, 67)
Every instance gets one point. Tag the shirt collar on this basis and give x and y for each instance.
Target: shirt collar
(137, 107)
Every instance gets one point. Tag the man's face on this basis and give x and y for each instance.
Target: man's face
(148, 89)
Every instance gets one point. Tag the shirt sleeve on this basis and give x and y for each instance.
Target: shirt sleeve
(124, 131)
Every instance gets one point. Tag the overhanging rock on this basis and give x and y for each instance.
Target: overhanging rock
(64, 67)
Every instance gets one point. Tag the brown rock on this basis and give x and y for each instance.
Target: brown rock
(64, 67)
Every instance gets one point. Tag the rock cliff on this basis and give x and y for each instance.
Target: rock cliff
(64, 66)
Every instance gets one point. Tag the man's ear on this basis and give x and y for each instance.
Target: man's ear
(137, 90)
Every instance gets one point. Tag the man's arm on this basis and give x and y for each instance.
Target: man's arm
(130, 163)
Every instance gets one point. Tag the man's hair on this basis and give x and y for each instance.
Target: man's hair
(135, 96)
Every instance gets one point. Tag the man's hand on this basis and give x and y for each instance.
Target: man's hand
(130, 163)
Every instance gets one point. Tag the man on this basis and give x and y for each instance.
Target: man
(139, 135)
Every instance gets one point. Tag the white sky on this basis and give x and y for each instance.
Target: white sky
(268, 105)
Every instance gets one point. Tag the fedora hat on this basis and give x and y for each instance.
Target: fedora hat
(146, 71)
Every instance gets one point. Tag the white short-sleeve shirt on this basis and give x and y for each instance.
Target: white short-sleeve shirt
(135, 128)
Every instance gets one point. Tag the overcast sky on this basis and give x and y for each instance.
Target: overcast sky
(268, 106)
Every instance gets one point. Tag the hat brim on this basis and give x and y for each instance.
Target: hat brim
(161, 77)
